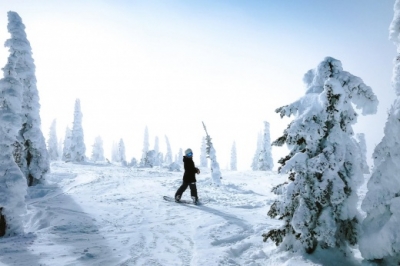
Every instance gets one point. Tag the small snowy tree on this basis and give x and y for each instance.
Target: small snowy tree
(31, 147)
(319, 202)
(66, 154)
(97, 150)
(265, 162)
(179, 157)
(121, 152)
(233, 157)
(168, 155)
(115, 152)
(146, 147)
(254, 164)
(158, 156)
(203, 153)
(215, 170)
(13, 183)
(52, 144)
(77, 148)
(380, 238)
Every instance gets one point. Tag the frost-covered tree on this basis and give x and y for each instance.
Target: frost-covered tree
(66, 154)
(203, 153)
(114, 152)
(168, 155)
(233, 157)
(60, 148)
(121, 152)
(362, 145)
(158, 156)
(146, 147)
(13, 183)
(318, 205)
(98, 150)
(254, 164)
(265, 162)
(211, 154)
(380, 238)
(52, 143)
(78, 147)
(31, 151)
(179, 158)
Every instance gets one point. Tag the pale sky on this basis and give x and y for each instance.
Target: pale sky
(171, 64)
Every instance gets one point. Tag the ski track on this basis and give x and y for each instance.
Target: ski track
(155, 233)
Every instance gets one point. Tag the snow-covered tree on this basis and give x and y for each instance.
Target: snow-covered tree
(146, 147)
(121, 152)
(380, 238)
(98, 150)
(31, 147)
(254, 164)
(211, 153)
(60, 148)
(179, 157)
(114, 152)
(203, 153)
(158, 157)
(66, 154)
(362, 155)
(52, 144)
(78, 148)
(265, 162)
(319, 202)
(233, 157)
(168, 155)
(13, 183)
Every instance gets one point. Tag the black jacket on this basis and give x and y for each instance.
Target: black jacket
(190, 170)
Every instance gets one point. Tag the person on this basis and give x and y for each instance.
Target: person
(189, 177)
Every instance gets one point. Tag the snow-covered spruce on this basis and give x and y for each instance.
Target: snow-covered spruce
(215, 170)
(31, 151)
(168, 155)
(382, 201)
(362, 145)
(13, 183)
(203, 153)
(146, 147)
(121, 152)
(319, 202)
(233, 157)
(265, 162)
(52, 143)
(179, 157)
(66, 153)
(97, 150)
(254, 164)
(77, 146)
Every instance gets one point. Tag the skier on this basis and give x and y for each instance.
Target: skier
(189, 177)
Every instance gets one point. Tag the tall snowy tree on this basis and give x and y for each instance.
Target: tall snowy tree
(203, 153)
(233, 157)
(254, 164)
(31, 149)
(146, 147)
(168, 155)
(265, 162)
(13, 183)
(380, 238)
(98, 150)
(319, 202)
(158, 156)
(52, 144)
(77, 148)
(362, 155)
(121, 152)
(66, 154)
(211, 153)
(179, 157)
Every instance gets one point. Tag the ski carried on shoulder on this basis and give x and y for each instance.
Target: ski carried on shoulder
(171, 199)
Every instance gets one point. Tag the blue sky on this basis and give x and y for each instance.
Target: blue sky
(169, 65)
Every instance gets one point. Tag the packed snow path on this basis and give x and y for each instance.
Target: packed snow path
(110, 215)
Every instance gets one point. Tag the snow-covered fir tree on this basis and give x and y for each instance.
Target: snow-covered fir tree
(380, 238)
(114, 152)
(254, 164)
(211, 154)
(146, 147)
(60, 148)
(203, 153)
(78, 147)
(362, 145)
(121, 152)
(31, 147)
(158, 157)
(168, 155)
(265, 162)
(233, 157)
(66, 154)
(13, 185)
(319, 202)
(98, 150)
(52, 143)
(179, 158)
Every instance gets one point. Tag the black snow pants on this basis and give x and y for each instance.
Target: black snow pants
(183, 187)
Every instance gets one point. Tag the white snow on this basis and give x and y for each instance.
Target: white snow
(103, 214)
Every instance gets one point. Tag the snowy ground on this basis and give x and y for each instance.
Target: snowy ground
(110, 215)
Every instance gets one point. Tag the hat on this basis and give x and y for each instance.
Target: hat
(188, 151)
